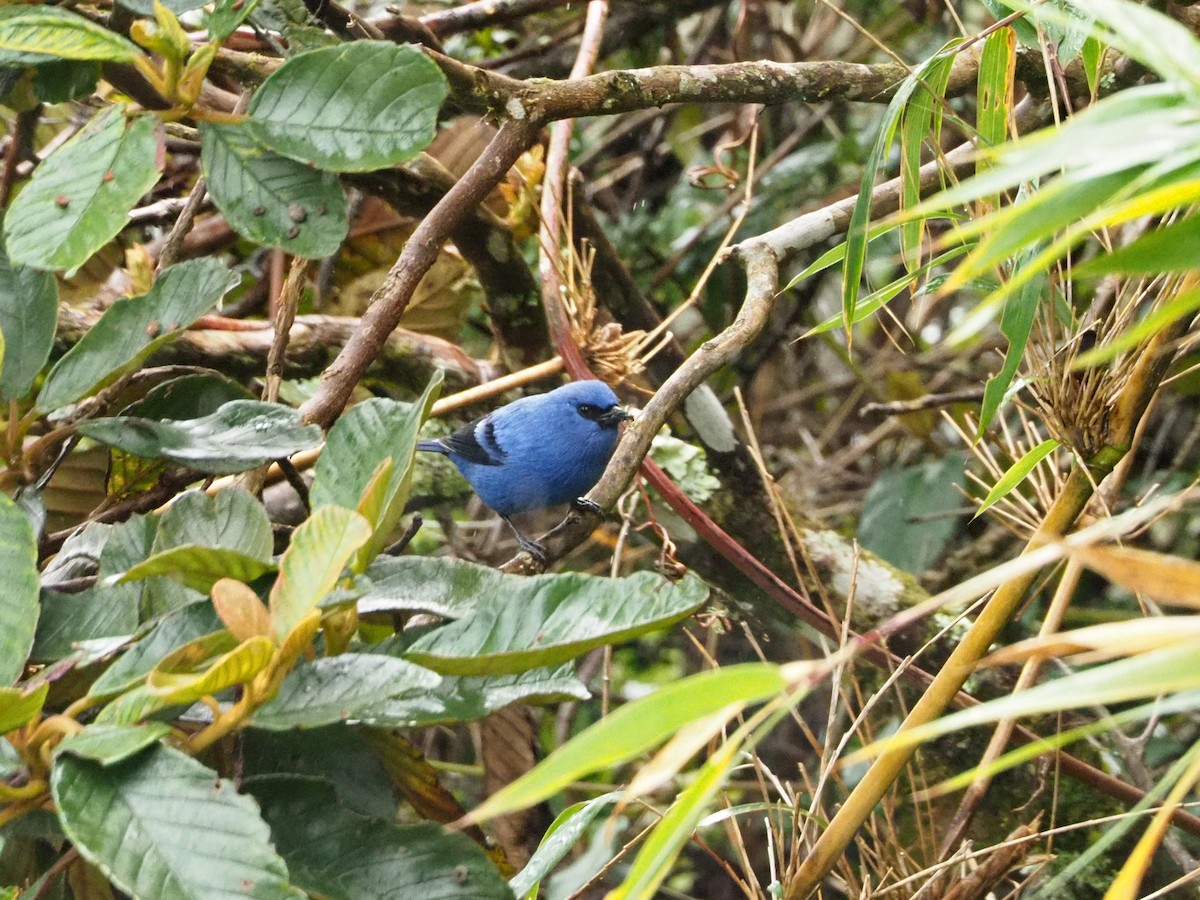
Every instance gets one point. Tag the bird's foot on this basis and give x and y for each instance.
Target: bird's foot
(534, 549)
(584, 505)
(529, 545)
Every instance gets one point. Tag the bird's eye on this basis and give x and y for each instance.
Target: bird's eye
(590, 411)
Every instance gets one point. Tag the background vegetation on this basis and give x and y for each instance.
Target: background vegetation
(904, 293)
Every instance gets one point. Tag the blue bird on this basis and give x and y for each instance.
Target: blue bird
(538, 451)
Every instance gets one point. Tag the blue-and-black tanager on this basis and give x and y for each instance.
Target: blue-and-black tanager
(538, 451)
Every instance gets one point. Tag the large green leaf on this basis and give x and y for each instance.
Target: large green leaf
(100, 611)
(80, 197)
(131, 329)
(335, 853)
(909, 513)
(520, 623)
(61, 80)
(443, 587)
(233, 518)
(336, 753)
(19, 598)
(58, 32)
(366, 435)
(335, 688)
(272, 199)
(358, 107)
(110, 744)
(467, 699)
(313, 563)
(168, 634)
(28, 315)
(162, 826)
(189, 397)
(202, 539)
(241, 435)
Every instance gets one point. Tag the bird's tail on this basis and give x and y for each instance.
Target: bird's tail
(434, 446)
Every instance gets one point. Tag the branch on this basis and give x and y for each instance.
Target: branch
(622, 91)
(389, 302)
(240, 349)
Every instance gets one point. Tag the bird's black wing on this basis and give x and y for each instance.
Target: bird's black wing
(476, 442)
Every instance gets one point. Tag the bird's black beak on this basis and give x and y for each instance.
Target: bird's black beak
(610, 418)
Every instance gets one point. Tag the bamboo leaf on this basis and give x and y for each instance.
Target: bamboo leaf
(1016, 474)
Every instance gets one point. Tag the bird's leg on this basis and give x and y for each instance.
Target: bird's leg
(530, 546)
(584, 505)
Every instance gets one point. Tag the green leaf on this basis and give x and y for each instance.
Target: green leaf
(357, 107)
(1016, 474)
(467, 699)
(337, 753)
(995, 94)
(634, 728)
(207, 666)
(80, 197)
(98, 612)
(199, 567)
(909, 513)
(28, 316)
(227, 16)
(167, 635)
(189, 397)
(1016, 323)
(111, 744)
(1170, 670)
(271, 199)
(18, 705)
(146, 7)
(858, 230)
(446, 588)
(58, 32)
(656, 857)
(869, 305)
(335, 853)
(60, 81)
(921, 123)
(522, 623)
(19, 599)
(132, 329)
(200, 540)
(232, 518)
(563, 835)
(242, 435)
(366, 435)
(313, 562)
(336, 688)
(162, 826)
(1173, 248)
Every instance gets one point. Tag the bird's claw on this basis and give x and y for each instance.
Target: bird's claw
(584, 505)
(534, 549)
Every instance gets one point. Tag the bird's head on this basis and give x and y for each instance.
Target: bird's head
(595, 401)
